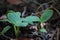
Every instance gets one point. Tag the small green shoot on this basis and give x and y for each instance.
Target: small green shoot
(5, 29)
(45, 16)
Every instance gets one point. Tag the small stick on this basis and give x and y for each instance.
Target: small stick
(57, 38)
(56, 10)
(42, 5)
(24, 11)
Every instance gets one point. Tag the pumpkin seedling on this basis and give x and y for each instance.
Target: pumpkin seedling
(15, 19)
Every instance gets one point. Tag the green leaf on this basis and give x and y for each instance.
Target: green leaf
(14, 18)
(31, 19)
(43, 30)
(46, 15)
(5, 29)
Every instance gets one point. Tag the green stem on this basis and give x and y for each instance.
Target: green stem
(42, 26)
(15, 29)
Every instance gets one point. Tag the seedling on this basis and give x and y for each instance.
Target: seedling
(15, 19)
(45, 16)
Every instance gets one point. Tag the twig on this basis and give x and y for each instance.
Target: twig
(24, 11)
(57, 38)
(45, 9)
(42, 5)
(56, 10)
